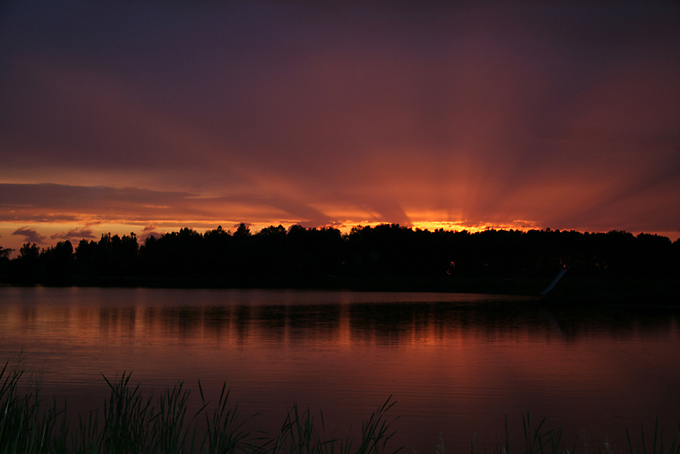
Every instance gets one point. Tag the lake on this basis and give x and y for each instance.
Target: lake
(455, 364)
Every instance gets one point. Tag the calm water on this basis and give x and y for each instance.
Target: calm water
(455, 364)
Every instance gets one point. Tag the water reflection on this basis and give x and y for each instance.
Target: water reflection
(456, 364)
(385, 323)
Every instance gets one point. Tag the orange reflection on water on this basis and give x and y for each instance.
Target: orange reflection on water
(454, 366)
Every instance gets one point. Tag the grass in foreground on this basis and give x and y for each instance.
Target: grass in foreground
(130, 423)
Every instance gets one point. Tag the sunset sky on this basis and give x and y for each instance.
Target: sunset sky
(150, 115)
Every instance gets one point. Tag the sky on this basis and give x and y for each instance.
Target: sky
(148, 115)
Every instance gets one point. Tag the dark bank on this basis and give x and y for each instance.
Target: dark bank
(602, 267)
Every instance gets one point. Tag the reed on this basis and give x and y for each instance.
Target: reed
(301, 433)
(130, 423)
(657, 446)
(24, 426)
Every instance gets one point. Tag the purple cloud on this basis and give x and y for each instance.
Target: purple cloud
(150, 231)
(75, 234)
(560, 113)
(30, 235)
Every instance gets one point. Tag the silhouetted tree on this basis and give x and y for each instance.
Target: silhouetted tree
(216, 246)
(653, 255)
(242, 231)
(24, 268)
(314, 253)
(301, 255)
(178, 254)
(56, 263)
(86, 258)
(5, 262)
(268, 253)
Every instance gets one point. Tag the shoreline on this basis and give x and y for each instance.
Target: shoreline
(570, 291)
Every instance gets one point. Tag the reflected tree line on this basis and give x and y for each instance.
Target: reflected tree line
(301, 256)
(376, 323)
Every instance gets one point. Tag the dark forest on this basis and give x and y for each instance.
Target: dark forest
(387, 255)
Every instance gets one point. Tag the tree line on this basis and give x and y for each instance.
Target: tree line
(300, 255)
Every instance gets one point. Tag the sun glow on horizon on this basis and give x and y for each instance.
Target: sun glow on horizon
(13, 235)
(458, 226)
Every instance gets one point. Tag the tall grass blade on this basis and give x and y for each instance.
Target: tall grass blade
(130, 423)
